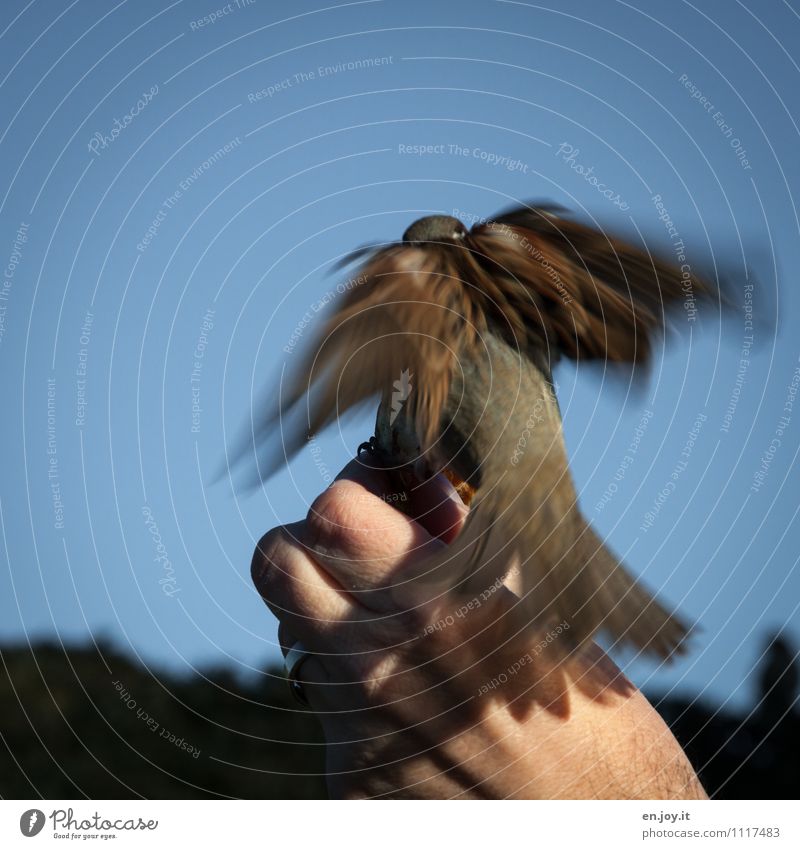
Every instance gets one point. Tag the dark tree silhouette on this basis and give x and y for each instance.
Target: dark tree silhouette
(749, 756)
(90, 722)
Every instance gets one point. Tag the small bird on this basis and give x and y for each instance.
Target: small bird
(457, 331)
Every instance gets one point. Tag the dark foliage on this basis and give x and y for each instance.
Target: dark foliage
(82, 723)
(748, 756)
(86, 723)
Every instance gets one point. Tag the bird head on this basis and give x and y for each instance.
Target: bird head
(434, 228)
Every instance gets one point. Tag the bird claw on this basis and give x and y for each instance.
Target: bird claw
(370, 447)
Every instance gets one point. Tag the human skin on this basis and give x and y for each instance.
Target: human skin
(424, 695)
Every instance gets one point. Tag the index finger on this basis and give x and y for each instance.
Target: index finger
(364, 542)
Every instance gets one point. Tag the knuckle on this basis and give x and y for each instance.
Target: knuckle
(332, 518)
(264, 566)
(275, 569)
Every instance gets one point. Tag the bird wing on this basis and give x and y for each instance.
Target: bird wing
(590, 293)
(399, 319)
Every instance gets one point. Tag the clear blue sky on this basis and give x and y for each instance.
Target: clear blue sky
(239, 168)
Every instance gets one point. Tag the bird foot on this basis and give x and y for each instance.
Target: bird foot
(370, 447)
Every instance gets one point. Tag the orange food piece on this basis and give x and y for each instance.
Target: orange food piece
(465, 491)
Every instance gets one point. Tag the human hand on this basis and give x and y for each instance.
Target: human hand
(423, 695)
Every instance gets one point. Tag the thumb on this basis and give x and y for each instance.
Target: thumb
(437, 506)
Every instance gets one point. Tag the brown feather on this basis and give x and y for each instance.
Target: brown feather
(478, 319)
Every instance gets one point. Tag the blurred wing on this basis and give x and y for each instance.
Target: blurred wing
(525, 516)
(358, 254)
(599, 296)
(399, 321)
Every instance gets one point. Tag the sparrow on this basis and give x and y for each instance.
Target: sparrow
(455, 333)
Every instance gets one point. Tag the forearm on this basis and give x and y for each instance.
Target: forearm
(581, 731)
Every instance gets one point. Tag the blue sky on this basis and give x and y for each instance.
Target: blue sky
(177, 180)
